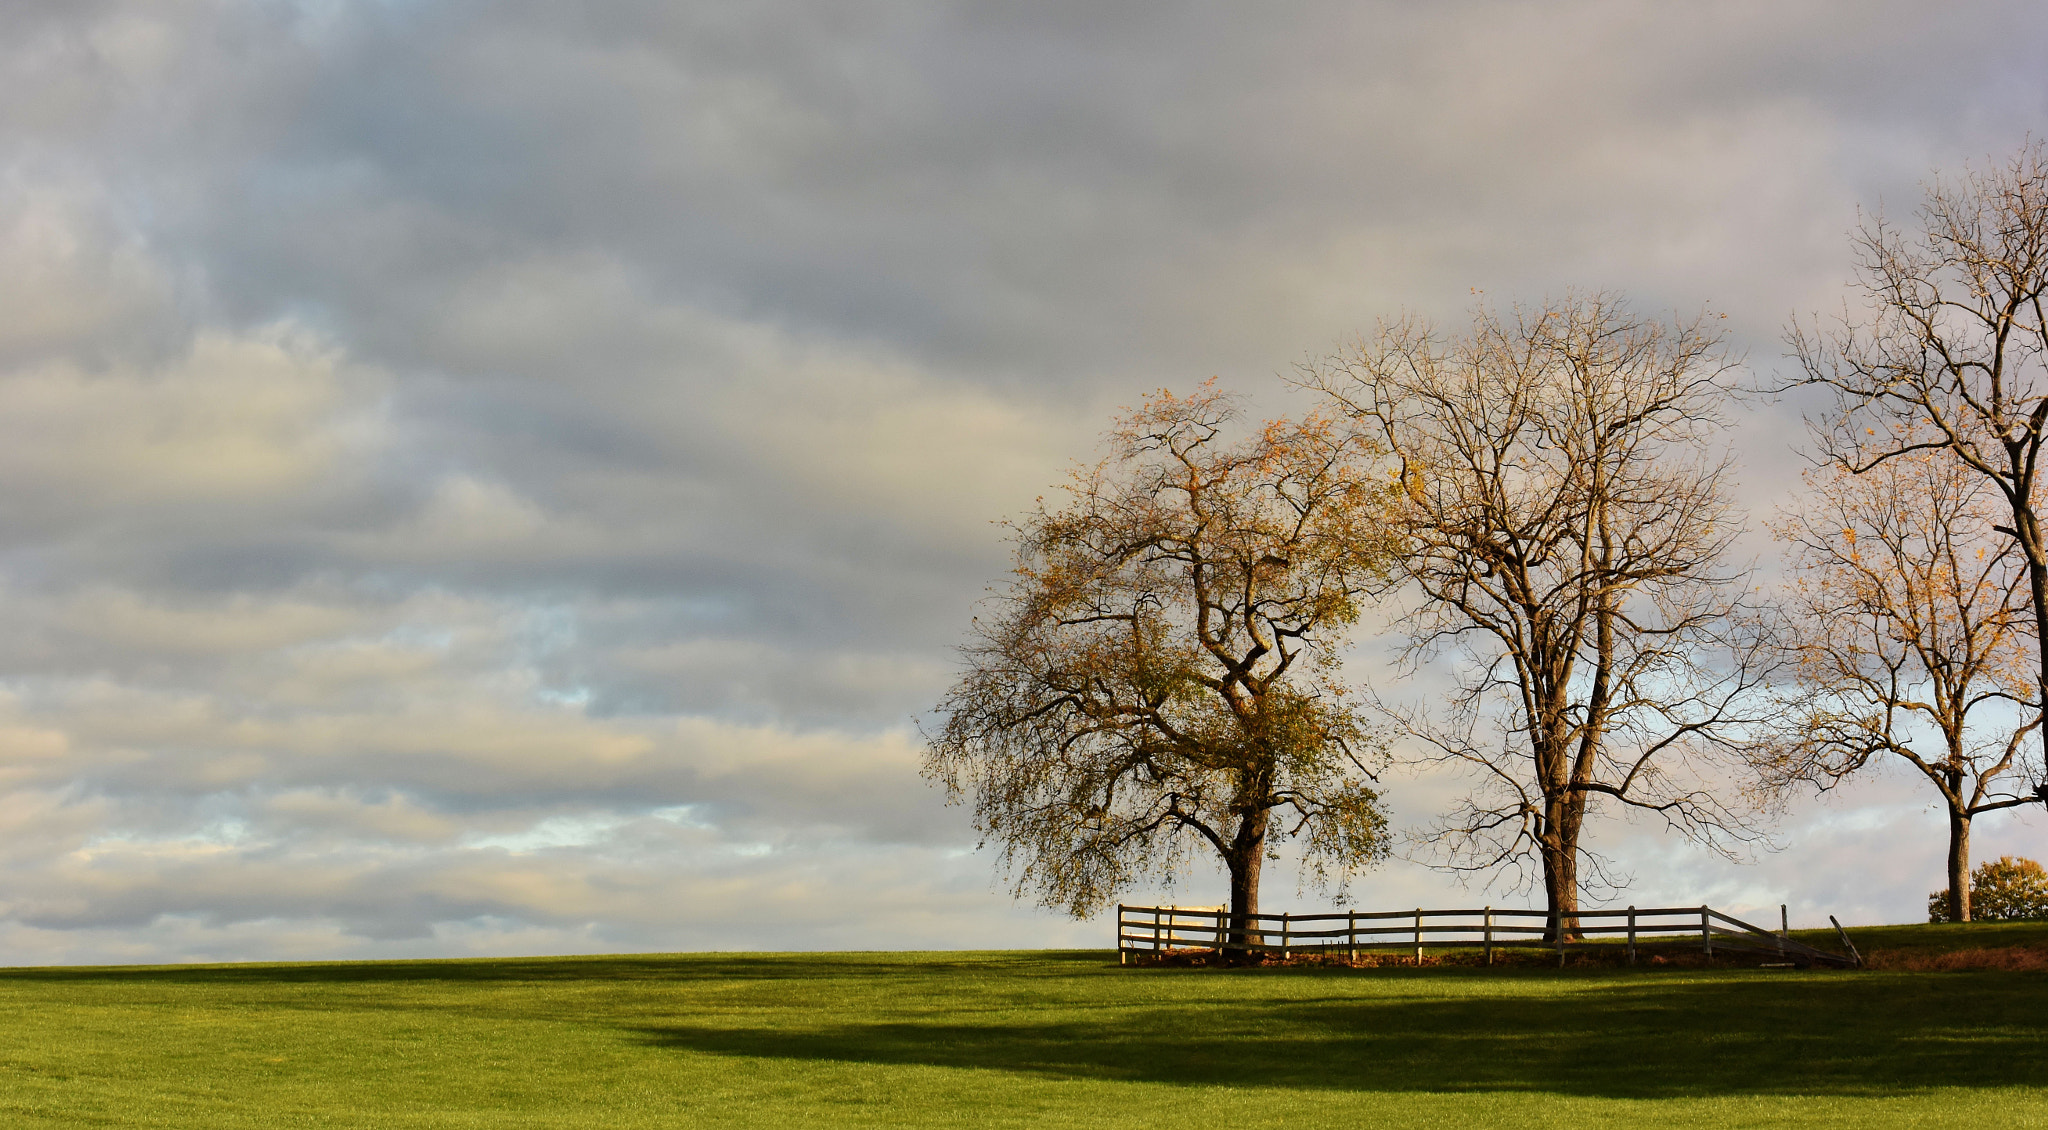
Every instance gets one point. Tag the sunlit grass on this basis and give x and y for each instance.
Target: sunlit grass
(1014, 1039)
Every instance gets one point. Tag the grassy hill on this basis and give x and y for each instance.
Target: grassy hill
(1924, 945)
(1016, 1039)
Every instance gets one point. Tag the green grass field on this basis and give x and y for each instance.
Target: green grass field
(1017, 1039)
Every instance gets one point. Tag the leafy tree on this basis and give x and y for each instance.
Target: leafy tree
(2005, 889)
(1160, 678)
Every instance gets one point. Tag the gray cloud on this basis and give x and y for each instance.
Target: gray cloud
(504, 476)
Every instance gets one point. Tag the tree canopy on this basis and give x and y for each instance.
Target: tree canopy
(1160, 677)
(1908, 618)
(1564, 524)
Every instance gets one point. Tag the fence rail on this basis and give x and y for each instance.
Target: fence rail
(1142, 930)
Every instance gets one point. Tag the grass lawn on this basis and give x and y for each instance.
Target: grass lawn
(1017, 1039)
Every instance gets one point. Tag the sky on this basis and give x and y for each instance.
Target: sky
(507, 477)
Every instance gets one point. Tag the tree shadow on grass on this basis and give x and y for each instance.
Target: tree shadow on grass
(1844, 1035)
(1073, 1015)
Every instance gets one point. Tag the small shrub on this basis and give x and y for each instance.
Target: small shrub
(2004, 889)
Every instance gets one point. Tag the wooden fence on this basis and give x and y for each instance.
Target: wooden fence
(1154, 930)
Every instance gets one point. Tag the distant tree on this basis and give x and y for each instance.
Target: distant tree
(1951, 352)
(1160, 677)
(2005, 889)
(1564, 525)
(1909, 619)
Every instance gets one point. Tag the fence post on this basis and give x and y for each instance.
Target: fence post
(1557, 932)
(1351, 935)
(1122, 954)
(1155, 930)
(1286, 933)
(1489, 935)
(1631, 934)
(1846, 943)
(1706, 934)
(1784, 928)
(1418, 937)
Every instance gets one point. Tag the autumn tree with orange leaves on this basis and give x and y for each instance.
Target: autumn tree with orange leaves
(1160, 679)
(1911, 620)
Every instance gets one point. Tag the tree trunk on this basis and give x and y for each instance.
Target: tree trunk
(1958, 866)
(1247, 858)
(2027, 531)
(2037, 584)
(1561, 866)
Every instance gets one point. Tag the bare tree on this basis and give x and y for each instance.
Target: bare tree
(1160, 676)
(1951, 351)
(1909, 618)
(1564, 527)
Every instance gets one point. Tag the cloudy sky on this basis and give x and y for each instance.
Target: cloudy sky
(504, 477)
